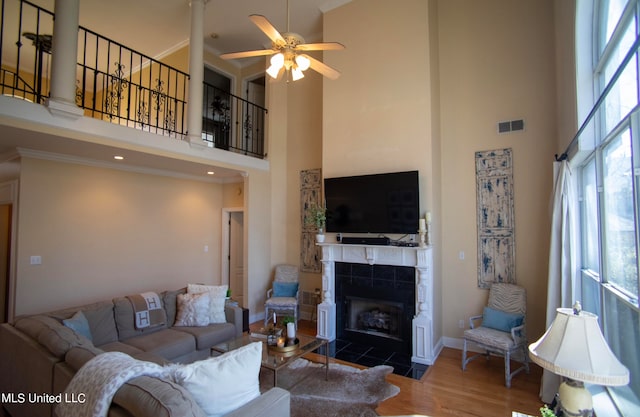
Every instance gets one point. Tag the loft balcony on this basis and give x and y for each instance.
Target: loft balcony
(123, 87)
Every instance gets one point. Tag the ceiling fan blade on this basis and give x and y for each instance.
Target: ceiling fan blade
(322, 46)
(247, 54)
(323, 69)
(265, 26)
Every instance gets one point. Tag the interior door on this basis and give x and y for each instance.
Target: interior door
(236, 256)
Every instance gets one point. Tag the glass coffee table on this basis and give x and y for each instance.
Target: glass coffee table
(273, 359)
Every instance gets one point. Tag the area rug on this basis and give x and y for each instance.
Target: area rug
(348, 391)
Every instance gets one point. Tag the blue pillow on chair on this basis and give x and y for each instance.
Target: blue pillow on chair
(500, 320)
(285, 289)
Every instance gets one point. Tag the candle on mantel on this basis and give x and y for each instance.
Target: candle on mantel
(423, 226)
(428, 217)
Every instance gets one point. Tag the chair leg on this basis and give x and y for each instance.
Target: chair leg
(507, 368)
(464, 355)
(526, 358)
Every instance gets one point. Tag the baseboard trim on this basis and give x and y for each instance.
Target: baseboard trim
(458, 343)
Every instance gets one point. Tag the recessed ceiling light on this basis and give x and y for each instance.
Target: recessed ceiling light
(118, 157)
(210, 172)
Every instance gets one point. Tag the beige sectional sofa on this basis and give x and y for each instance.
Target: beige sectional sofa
(39, 356)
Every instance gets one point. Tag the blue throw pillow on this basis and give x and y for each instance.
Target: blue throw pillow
(499, 320)
(285, 289)
(79, 324)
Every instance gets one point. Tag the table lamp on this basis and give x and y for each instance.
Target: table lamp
(574, 347)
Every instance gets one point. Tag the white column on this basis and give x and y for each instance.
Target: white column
(196, 73)
(422, 323)
(64, 54)
(327, 308)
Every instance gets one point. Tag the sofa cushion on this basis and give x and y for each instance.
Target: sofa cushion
(120, 347)
(79, 324)
(167, 343)
(100, 317)
(218, 294)
(210, 335)
(52, 334)
(223, 383)
(125, 320)
(79, 355)
(193, 309)
(169, 298)
(150, 396)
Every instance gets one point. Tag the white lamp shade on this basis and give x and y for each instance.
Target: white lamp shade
(303, 62)
(574, 347)
(273, 71)
(277, 60)
(296, 74)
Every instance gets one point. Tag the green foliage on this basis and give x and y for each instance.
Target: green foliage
(547, 412)
(315, 216)
(288, 319)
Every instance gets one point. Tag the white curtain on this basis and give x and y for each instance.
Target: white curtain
(564, 284)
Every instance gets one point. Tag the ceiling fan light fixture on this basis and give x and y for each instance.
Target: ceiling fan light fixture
(284, 50)
(296, 74)
(273, 71)
(277, 60)
(303, 62)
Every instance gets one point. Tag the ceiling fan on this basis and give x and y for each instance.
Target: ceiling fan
(287, 50)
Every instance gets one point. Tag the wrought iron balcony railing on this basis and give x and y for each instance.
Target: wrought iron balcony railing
(119, 85)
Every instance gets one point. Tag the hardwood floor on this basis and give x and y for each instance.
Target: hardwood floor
(444, 390)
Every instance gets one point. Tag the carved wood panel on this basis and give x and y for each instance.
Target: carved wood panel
(495, 217)
(310, 194)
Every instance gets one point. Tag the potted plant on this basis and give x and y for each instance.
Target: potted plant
(547, 412)
(316, 216)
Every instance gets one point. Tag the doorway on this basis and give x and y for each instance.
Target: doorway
(6, 211)
(8, 214)
(233, 252)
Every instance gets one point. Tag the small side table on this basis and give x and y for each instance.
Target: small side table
(245, 313)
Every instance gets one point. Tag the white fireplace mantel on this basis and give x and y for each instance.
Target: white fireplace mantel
(420, 258)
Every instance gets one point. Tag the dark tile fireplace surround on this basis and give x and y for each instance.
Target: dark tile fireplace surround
(375, 305)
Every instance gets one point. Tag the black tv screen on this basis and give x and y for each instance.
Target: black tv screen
(378, 203)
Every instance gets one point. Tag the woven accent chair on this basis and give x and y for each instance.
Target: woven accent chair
(282, 297)
(502, 331)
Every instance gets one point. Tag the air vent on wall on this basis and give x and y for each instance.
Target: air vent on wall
(510, 126)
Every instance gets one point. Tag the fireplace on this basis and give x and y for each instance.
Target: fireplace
(375, 305)
(387, 276)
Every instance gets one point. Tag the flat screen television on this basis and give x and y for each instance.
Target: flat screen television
(377, 203)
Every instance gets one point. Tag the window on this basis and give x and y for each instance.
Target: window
(609, 173)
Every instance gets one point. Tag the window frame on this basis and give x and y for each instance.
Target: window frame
(596, 288)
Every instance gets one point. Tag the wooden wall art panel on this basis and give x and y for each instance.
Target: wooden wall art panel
(310, 194)
(495, 217)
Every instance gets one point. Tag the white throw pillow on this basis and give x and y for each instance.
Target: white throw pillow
(222, 384)
(218, 294)
(193, 309)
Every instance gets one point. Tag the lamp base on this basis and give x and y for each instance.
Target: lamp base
(574, 400)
